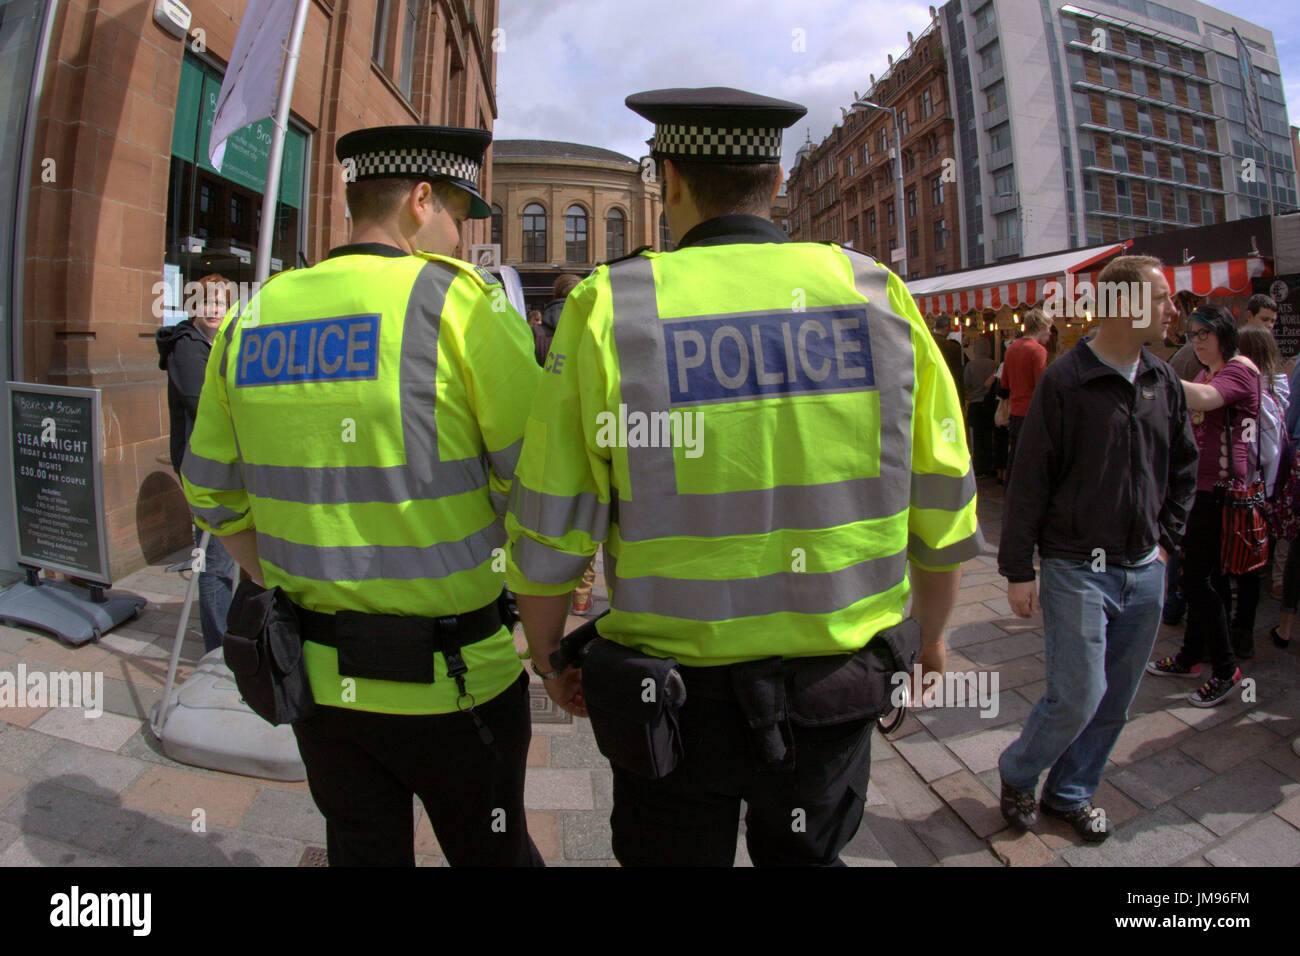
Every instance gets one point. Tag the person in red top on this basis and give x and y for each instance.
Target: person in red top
(1022, 368)
(1227, 389)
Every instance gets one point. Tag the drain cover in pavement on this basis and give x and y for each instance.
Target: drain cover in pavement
(544, 710)
(314, 856)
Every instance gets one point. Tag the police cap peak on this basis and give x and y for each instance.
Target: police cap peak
(716, 124)
(437, 153)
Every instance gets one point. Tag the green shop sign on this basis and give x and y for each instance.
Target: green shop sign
(247, 150)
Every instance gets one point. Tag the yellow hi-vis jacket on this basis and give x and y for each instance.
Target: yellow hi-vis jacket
(763, 434)
(365, 416)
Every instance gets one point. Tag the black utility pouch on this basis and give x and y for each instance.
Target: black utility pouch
(845, 687)
(633, 702)
(385, 647)
(263, 650)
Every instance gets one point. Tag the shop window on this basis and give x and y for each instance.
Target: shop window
(213, 218)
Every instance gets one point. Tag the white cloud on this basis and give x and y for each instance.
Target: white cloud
(568, 66)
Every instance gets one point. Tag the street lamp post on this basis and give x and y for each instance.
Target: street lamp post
(859, 106)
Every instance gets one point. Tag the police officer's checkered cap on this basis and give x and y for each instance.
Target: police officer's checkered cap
(716, 124)
(393, 163)
(718, 143)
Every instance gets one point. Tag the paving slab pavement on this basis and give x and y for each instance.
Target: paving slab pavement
(1185, 787)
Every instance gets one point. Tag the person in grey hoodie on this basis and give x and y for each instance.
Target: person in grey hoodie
(183, 351)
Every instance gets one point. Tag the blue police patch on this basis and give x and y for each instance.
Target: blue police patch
(323, 350)
(753, 354)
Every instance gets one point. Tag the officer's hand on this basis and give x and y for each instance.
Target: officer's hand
(934, 659)
(1023, 597)
(566, 691)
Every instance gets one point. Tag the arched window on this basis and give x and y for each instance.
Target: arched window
(496, 226)
(575, 234)
(665, 238)
(534, 233)
(615, 234)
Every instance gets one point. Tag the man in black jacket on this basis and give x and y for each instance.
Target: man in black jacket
(1103, 489)
(183, 354)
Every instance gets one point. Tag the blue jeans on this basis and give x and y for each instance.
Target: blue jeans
(216, 587)
(1099, 628)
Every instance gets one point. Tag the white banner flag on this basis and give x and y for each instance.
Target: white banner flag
(252, 80)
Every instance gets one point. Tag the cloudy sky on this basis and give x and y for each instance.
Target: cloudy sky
(566, 65)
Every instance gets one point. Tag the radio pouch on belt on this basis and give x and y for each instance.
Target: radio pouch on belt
(263, 650)
(633, 701)
(844, 687)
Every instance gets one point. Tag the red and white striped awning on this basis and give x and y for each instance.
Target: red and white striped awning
(1024, 283)
(1009, 285)
(1227, 277)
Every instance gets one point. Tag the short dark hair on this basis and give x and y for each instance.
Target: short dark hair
(1219, 321)
(372, 199)
(722, 188)
(1260, 301)
(564, 284)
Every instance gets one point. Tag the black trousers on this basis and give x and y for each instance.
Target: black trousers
(981, 424)
(1207, 621)
(363, 769)
(692, 815)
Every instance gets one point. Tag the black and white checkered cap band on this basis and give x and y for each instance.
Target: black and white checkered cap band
(675, 140)
(416, 162)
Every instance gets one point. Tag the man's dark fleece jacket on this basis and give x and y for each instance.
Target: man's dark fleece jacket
(183, 355)
(1100, 464)
(544, 333)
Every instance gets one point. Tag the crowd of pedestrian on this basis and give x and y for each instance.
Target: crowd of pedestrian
(1180, 451)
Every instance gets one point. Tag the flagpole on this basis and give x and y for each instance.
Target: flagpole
(271, 194)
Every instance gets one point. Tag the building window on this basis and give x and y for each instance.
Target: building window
(909, 161)
(379, 47)
(410, 28)
(902, 121)
(534, 233)
(1176, 165)
(1118, 157)
(575, 234)
(884, 140)
(1166, 88)
(866, 154)
(1173, 127)
(497, 215)
(1114, 114)
(911, 203)
(940, 235)
(1144, 121)
(1004, 182)
(665, 238)
(927, 105)
(1108, 77)
(1008, 225)
(871, 222)
(616, 235)
(996, 96)
(889, 213)
(871, 185)
(1000, 137)
(848, 166)
(1149, 166)
(991, 56)
(984, 17)
(912, 243)
(936, 190)
(1139, 80)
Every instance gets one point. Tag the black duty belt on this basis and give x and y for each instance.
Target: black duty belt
(399, 648)
(443, 634)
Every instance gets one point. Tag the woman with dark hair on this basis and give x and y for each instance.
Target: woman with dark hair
(1256, 343)
(1222, 398)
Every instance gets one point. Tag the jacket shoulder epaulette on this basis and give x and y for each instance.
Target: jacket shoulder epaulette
(481, 275)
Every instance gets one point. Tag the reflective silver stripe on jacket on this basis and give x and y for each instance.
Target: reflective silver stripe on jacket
(209, 473)
(370, 562)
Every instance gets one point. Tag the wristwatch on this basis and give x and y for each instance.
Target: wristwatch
(544, 675)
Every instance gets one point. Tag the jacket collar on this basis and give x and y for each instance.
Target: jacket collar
(1091, 367)
(367, 249)
(735, 227)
